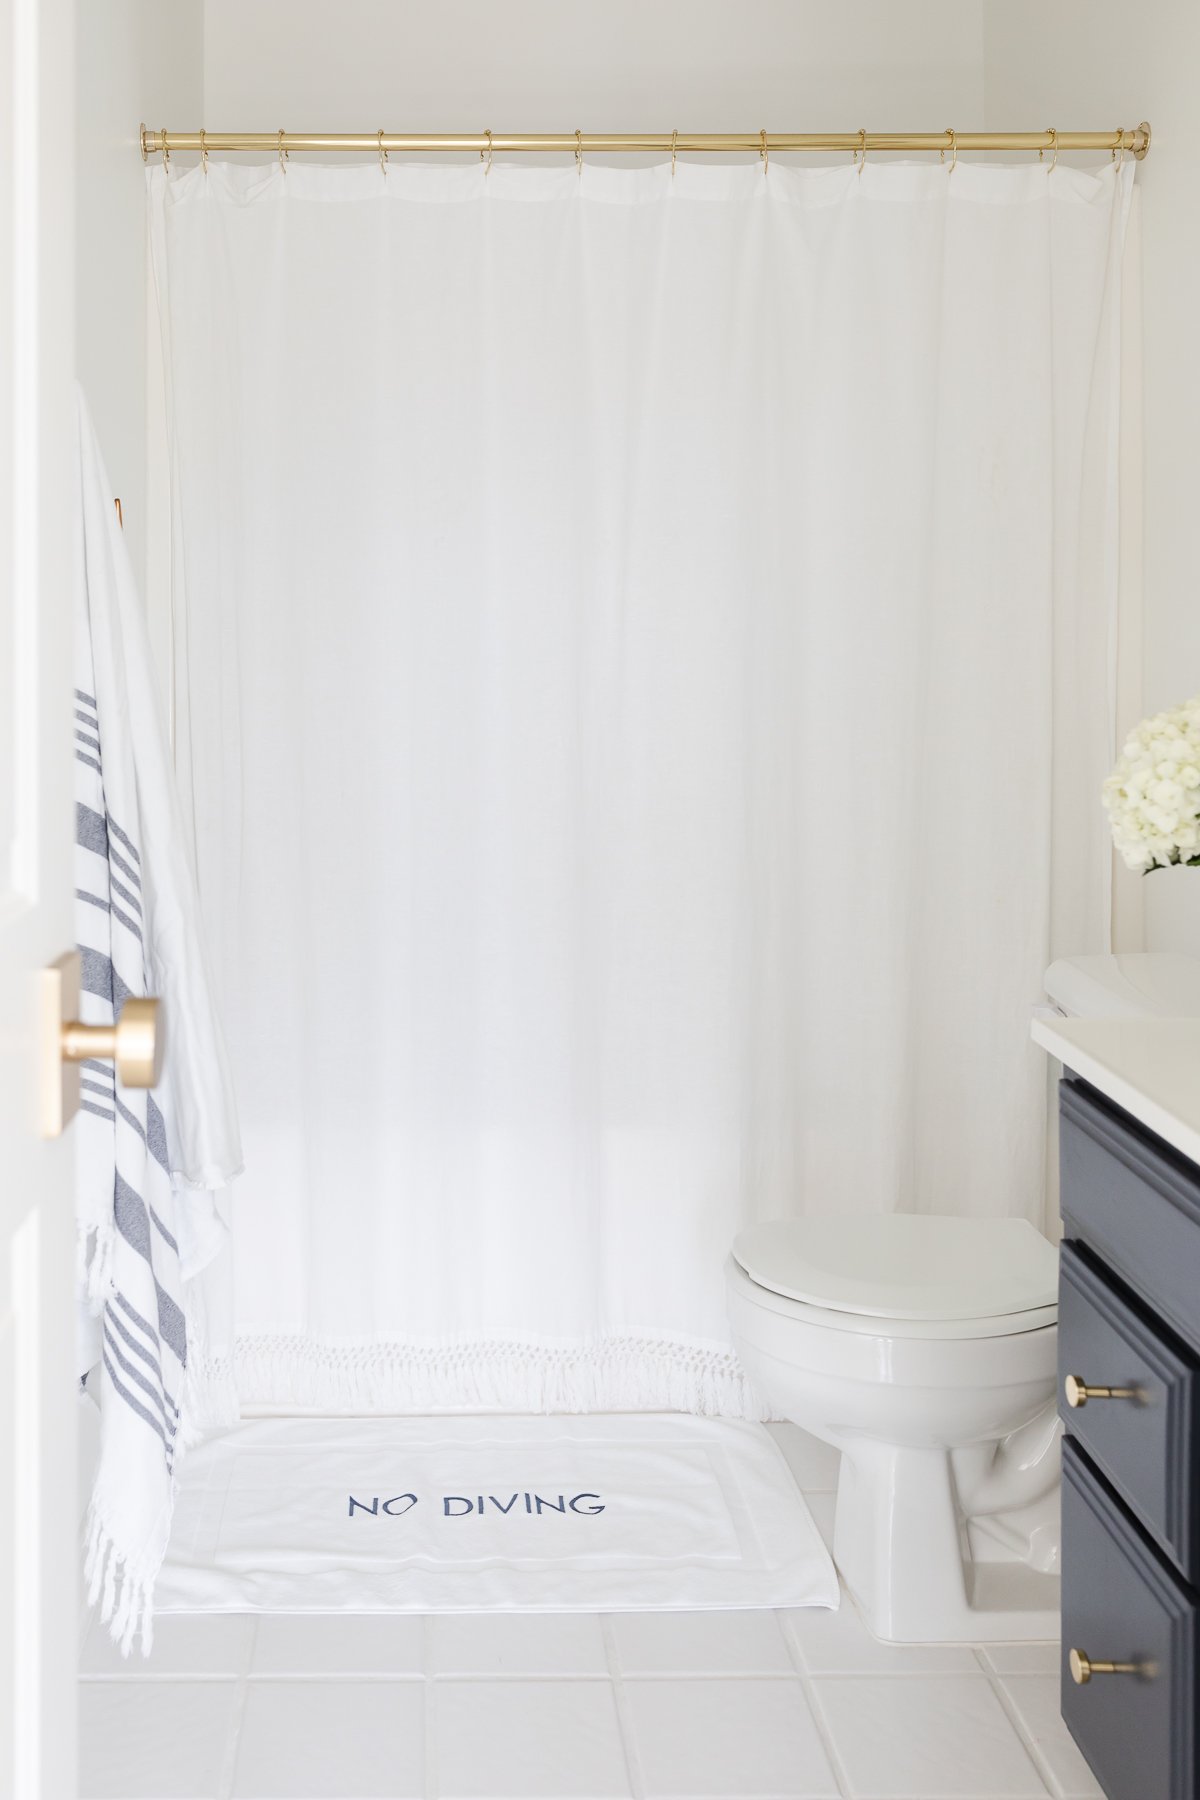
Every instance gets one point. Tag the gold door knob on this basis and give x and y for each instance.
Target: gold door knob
(1083, 1668)
(1078, 1393)
(134, 1043)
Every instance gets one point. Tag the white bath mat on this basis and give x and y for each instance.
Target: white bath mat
(600, 1513)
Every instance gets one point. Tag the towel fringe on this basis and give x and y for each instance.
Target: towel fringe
(122, 1585)
(613, 1375)
(120, 1581)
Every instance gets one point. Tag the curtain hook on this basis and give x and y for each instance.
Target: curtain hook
(1052, 134)
(485, 156)
(165, 150)
(203, 152)
(953, 136)
(1118, 152)
(860, 156)
(283, 155)
(579, 153)
(762, 148)
(383, 155)
(674, 141)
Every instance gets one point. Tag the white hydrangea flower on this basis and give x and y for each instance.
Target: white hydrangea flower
(1152, 796)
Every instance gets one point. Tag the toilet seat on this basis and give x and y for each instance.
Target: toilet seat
(908, 1275)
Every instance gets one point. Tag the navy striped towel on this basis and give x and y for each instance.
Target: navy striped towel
(128, 1206)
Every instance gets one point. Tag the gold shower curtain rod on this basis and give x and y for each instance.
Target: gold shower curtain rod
(590, 143)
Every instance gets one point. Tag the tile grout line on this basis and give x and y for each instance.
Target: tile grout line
(1029, 1743)
(242, 1672)
(616, 1676)
(233, 1740)
(429, 1746)
(157, 1677)
(448, 1677)
(820, 1722)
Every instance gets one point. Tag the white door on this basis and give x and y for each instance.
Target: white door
(39, 1524)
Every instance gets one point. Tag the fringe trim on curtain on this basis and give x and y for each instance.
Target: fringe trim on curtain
(212, 1386)
(615, 1375)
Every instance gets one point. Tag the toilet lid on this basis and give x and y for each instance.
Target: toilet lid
(904, 1265)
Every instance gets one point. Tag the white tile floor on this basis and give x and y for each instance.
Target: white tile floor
(714, 1706)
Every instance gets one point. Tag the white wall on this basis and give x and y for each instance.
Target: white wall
(136, 59)
(1106, 62)
(607, 65)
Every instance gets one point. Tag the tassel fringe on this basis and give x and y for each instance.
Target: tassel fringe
(121, 1584)
(612, 1375)
(121, 1581)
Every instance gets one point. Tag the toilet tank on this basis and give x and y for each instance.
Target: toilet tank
(1148, 984)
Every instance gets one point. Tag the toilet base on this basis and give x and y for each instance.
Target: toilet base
(900, 1542)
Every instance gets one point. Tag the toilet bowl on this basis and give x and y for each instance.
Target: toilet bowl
(924, 1349)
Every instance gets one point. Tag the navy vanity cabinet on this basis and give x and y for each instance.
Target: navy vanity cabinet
(1129, 1397)
(1144, 1440)
(1135, 1203)
(1122, 1602)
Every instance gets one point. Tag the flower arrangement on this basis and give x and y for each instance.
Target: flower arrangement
(1152, 796)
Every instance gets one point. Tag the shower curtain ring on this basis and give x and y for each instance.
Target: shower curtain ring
(1052, 134)
(1118, 152)
(674, 141)
(162, 137)
(762, 151)
(953, 136)
(283, 155)
(485, 156)
(860, 155)
(203, 152)
(383, 155)
(579, 153)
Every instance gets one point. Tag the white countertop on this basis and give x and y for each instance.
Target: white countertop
(1148, 1067)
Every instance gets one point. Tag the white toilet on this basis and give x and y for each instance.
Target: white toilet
(924, 1348)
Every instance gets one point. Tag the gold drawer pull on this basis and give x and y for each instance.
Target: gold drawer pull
(1083, 1668)
(1078, 1393)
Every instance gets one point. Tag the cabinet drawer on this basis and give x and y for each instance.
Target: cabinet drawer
(1121, 1603)
(1146, 1445)
(1135, 1202)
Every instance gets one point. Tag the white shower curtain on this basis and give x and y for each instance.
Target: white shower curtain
(642, 666)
